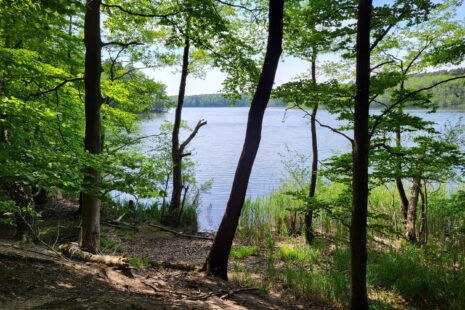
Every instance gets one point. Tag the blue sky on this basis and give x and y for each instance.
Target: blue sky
(288, 68)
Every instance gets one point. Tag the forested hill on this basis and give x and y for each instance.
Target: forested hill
(218, 100)
(447, 95)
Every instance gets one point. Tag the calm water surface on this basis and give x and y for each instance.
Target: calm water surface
(218, 145)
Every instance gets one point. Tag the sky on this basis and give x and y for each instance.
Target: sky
(288, 69)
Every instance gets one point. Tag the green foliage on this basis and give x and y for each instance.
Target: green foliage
(108, 245)
(139, 262)
(243, 251)
(422, 282)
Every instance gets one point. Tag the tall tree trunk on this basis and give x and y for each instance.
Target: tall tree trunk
(309, 234)
(358, 227)
(89, 237)
(217, 260)
(176, 152)
(412, 210)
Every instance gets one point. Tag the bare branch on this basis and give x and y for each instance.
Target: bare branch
(326, 126)
(192, 135)
(335, 131)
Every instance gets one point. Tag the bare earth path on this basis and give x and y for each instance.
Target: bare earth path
(34, 277)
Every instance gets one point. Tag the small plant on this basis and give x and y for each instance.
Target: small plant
(244, 251)
(108, 245)
(139, 262)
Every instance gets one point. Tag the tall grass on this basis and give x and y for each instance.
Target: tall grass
(428, 277)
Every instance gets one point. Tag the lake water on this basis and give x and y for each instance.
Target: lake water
(218, 145)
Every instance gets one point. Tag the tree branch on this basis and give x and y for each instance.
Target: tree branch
(56, 87)
(130, 143)
(124, 45)
(192, 135)
(115, 6)
(335, 131)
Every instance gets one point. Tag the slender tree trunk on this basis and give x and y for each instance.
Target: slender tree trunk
(358, 228)
(309, 234)
(3, 131)
(89, 237)
(412, 210)
(217, 260)
(423, 236)
(403, 198)
(176, 152)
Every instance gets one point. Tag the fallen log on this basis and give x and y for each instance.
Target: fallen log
(72, 250)
(180, 234)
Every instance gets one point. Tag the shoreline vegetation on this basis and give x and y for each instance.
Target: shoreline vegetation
(447, 96)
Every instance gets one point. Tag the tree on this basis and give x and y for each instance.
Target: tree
(314, 29)
(358, 236)
(217, 260)
(89, 237)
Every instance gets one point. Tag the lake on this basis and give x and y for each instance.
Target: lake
(218, 145)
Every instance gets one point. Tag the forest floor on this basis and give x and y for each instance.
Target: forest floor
(38, 277)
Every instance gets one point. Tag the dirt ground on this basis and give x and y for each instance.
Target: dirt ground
(35, 277)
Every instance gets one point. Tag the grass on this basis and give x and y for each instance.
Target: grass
(399, 275)
(244, 251)
(108, 245)
(139, 262)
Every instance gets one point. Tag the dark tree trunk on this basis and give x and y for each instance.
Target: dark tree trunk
(26, 228)
(412, 210)
(176, 152)
(89, 238)
(358, 227)
(40, 196)
(309, 234)
(403, 198)
(217, 260)
(399, 184)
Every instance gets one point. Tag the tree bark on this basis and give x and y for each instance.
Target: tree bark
(217, 260)
(412, 210)
(176, 153)
(358, 228)
(89, 238)
(423, 236)
(403, 198)
(309, 235)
